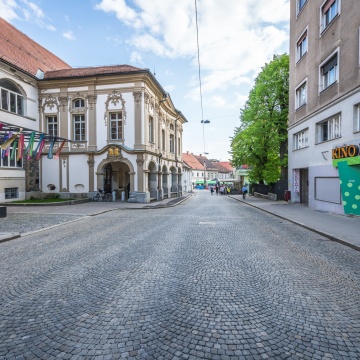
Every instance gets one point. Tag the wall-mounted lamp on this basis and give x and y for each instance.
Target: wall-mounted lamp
(324, 155)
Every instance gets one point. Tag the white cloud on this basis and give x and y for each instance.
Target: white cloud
(27, 10)
(236, 37)
(135, 57)
(169, 88)
(69, 35)
(8, 9)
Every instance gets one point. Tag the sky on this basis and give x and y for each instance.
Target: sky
(236, 38)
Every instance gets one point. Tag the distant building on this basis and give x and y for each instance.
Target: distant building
(197, 168)
(324, 105)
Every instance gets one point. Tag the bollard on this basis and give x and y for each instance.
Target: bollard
(123, 196)
(113, 195)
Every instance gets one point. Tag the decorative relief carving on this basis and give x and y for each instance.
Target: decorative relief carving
(91, 163)
(63, 100)
(91, 98)
(147, 97)
(114, 155)
(138, 97)
(48, 146)
(115, 98)
(49, 102)
(140, 162)
(77, 146)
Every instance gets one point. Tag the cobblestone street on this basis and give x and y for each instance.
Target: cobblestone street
(211, 278)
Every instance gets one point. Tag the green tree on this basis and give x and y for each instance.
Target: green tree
(261, 140)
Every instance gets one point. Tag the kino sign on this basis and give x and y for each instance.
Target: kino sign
(345, 152)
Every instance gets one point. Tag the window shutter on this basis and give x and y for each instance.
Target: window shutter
(327, 6)
(302, 38)
(330, 64)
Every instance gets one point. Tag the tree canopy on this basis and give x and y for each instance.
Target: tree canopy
(261, 140)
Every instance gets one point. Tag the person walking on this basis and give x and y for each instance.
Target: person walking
(211, 190)
(244, 191)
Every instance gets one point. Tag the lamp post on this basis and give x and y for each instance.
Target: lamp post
(205, 153)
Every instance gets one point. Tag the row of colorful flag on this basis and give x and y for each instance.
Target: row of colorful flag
(14, 146)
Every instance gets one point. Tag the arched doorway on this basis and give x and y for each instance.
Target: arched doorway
(174, 181)
(117, 175)
(152, 181)
(165, 184)
(179, 182)
(108, 178)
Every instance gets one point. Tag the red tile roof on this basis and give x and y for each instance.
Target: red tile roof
(91, 71)
(227, 165)
(22, 52)
(191, 161)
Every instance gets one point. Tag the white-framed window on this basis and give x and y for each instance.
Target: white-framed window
(163, 141)
(357, 118)
(9, 160)
(329, 73)
(329, 129)
(52, 125)
(78, 103)
(151, 129)
(299, 5)
(172, 143)
(302, 46)
(328, 11)
(11, 193)
(301, 139)
(11, 97)
(301, 95)
(79, 127)
(116, 125)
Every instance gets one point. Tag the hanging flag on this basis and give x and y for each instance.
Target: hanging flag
(56, 156)
(40, 148)
(20, 147)
(50, 154)
(4, 151)
(7, 150)
(29, 149)
(13, 152)
(9, 141)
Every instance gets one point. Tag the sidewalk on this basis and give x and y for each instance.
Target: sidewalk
(340, 228)
(26, 219)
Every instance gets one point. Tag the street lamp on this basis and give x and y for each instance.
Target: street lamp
(205, 153)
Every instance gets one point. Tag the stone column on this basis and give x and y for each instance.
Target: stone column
(138, 120)
(91, 98)
(64, 117)
(91, 163)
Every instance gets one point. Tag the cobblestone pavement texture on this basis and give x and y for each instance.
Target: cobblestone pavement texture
(211, 278)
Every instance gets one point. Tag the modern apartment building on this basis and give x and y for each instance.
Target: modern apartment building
(324, 105)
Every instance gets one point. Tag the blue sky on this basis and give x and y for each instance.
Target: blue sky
(236, 37)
